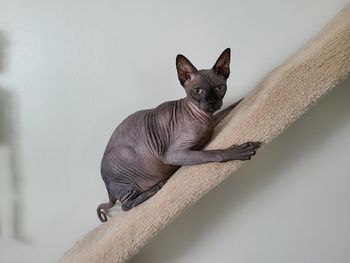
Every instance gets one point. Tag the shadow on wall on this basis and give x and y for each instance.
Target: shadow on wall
(172, 244)
(10, 166)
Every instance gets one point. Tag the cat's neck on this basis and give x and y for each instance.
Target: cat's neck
(195, 111)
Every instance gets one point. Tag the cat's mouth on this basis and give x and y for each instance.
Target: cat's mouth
(210, 107)
(213, 107)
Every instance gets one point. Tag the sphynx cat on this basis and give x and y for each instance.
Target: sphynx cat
(150, 145)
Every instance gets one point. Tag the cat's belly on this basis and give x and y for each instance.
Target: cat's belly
(135, 166)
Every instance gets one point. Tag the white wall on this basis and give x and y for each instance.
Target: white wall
(72, 70)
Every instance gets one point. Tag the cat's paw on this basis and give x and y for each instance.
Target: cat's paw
(244, 151)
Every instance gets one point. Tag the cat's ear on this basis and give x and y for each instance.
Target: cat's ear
(222, 65)
(185, 69)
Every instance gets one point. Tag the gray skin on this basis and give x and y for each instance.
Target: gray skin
(150, 145)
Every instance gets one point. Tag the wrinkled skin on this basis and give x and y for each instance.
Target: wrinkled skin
(150, 145)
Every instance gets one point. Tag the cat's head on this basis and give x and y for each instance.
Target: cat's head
(206, 88)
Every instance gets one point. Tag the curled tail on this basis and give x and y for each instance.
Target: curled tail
(102, 214)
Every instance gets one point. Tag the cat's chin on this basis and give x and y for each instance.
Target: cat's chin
(211, 110)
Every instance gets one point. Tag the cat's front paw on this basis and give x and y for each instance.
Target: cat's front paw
(244, 151)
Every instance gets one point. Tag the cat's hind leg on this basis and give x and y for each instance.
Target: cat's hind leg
(136, 198)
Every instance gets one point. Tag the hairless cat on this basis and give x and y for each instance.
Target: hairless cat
(150, 145)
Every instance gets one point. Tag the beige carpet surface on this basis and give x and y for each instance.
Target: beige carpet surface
(277, 101)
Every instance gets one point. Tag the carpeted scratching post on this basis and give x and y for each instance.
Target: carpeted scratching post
(277, 101)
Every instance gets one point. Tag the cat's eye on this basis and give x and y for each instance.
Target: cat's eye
(197, 91)
(220, 88)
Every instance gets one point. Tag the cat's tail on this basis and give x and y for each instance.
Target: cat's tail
(102, 214)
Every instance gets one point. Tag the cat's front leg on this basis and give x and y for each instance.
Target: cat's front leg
(187, 157)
